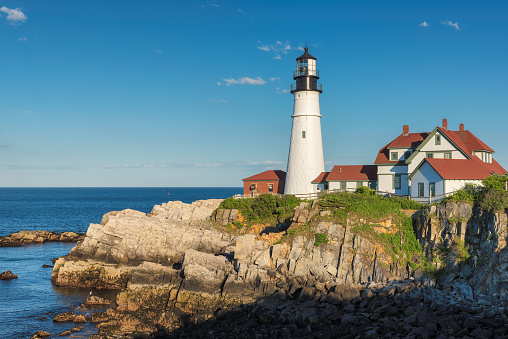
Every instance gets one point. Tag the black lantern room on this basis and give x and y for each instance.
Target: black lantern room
(306, 74)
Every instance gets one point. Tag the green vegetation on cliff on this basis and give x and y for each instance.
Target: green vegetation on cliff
(492, 197)
(263, 209)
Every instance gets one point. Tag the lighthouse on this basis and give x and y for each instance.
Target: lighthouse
(305, 160)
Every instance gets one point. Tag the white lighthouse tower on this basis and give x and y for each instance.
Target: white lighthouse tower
(306, 160)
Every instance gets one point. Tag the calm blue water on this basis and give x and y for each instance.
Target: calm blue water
(26, 300)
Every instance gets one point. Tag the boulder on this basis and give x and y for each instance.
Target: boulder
(8, 275)
(64, 317)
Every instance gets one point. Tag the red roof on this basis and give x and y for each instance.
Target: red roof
(457, 169)
(465, 140)
(268, 175)
(353, 173)
(322, 177)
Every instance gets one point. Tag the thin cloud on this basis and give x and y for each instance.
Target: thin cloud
(451, 24)
(424, 24)
(14, 16)
(279, 48)
(218, 100)
(23, 39)
(244, 81)
(275, 79)
(158, 51)
(3, 145)
(281, 91)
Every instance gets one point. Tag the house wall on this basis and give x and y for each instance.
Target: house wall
(350, 185)
(454, 185)
(385, 177)
(426, 174)
(400, 153)
(262, 186)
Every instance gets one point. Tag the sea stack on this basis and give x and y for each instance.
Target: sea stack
(306, 160)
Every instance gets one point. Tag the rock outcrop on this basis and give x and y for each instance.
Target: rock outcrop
(467, 244)
(8, 275)
(38, 237)
(176, 269)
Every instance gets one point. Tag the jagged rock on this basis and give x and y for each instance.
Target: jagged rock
(63, 333)
(77, 328)
(42, 334)
(31, 237)
(81, 318)
(8, 275)
(64, 317)
(95, 300)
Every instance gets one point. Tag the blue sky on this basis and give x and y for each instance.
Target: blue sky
(195, 93)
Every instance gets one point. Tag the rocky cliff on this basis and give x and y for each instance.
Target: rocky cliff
(176, 267)
(467, 244)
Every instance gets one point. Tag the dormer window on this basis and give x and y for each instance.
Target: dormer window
(438, 139)
(394, 156)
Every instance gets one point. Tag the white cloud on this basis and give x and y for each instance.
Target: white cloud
(281, 91)
(158, 51)
(264, 48)
(279, 48)
(3, 145)
(451, 24)
(275, 79)
(424, 24)
(14, 16)
(244, 81)
(218, 83)
(214, 5)
(23, 39)
(301, 48)
(240, 11)
(218, 100)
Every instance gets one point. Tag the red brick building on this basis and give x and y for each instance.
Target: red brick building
(266, 182)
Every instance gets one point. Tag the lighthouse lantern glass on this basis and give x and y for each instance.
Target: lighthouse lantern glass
(306, 67)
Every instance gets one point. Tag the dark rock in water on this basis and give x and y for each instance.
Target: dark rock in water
(63, 333)
(8, 275)
(54, 260)
(77, 328)
(46, 266)
(80, 318)
(42, 334)
(64, 317)
(94, 300)
(38, 237)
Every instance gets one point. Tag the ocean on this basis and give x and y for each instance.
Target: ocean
(28, 304)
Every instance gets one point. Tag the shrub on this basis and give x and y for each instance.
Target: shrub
(321, 238)
(494, 200)
(495, 182)
(364, 190)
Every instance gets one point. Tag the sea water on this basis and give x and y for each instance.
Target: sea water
(28, 304)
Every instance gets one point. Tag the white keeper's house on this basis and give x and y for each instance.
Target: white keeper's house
(425, 165)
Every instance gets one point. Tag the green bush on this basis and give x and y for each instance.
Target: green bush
(364, 190)
(494, 200)
(321, 238)
(495, 182)
(264, 208)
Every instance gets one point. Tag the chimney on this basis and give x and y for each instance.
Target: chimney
(445, 124)
(405, 129)
(461, 127)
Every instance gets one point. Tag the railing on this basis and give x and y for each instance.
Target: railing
(306, 87)
(304, 73)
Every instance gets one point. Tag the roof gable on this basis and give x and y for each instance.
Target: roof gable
(462, 169)
(410, 140)
(267, 175)
(353, 173)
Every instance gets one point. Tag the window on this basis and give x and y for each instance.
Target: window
(359, 184)
(407, 154)
(432, 189)
(372, 185)
(270, 187)
(396, 181)
(325, 186)
(342, 185)
(438, 139)
(448, 155)
(394, 156)
(303, 134)
(430, 155)
(421, 189)
(253, 187)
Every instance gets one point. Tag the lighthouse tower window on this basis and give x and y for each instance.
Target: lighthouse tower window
(303, 134)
